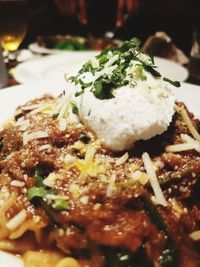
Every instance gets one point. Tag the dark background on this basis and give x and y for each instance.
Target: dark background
(177, 18)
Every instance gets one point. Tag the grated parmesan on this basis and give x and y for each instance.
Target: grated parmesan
(189, 123)
(45, 147)
(122, 159)
(153, 179)
(111, 185)
(32, 136)
(84, 200)
(189, 144)
(17, 183)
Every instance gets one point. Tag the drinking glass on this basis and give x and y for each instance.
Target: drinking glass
(13, 25)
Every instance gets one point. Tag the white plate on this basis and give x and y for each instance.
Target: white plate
(11, 97)
(8, 260)
(57, 65)
(50, 66)
(35, 48)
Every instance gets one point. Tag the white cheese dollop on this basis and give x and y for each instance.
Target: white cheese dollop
(138, 111)
(134, 114)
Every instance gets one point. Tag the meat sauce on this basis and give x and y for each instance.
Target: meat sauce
(99, 217)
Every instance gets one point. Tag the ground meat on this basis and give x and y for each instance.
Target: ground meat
(104, 202)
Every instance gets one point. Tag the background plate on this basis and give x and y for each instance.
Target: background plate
(64, 63)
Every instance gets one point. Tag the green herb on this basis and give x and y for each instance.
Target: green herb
(133, 43)
(74, 79)
(79, 93)
(170, 255)
(74, 107)
(84, 85)
(61, 204)
(39, 176)
(87, 67)
(36, 192)
(55, 115)
(139, 74)
(89, 112)
(152, 58)
(103, 88)
(102, 59)
(1, 143)
(174, 83)
(72, 45)
(151, 69)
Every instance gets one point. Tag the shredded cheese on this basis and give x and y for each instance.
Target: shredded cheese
(153, 179)
(189, 123)
(32, 136)
(189, 139)
(54, 197)
(111, 185)
(122, 159)
(84, 200)
(51, 179)
(141, 177)
(17, 220)
(63, 111)
(62, 124)
(17, 183)
(189, 144)
(32, 107)
(179, 147)
(45, 147)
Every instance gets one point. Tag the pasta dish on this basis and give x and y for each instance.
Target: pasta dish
(84, 183)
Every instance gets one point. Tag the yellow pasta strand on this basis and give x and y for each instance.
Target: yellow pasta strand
(41, 259)
(4, 232)
(26, 226)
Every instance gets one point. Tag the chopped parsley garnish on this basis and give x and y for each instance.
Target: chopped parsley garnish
(34, 192)
(103, 88)
(116, 67)
(151, 69)
(174, 83)
(74, 107)
(38, 193)
(39, 176)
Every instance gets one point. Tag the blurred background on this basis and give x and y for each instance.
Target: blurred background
(140, 18)
(166, 27)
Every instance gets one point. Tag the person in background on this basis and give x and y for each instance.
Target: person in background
(140, 18)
